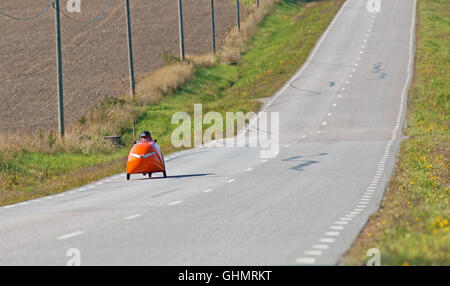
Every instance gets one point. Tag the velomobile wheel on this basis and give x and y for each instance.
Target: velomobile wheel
(149, 175)
(128, 177)
(165, 174)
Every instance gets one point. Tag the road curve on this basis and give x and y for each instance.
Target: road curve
(340, 127)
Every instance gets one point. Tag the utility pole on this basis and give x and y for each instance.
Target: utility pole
(180, 17)
(213, 28)
(130, 50)
(238, 16)
(59, 70)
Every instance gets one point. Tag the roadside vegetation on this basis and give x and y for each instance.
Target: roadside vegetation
(274, 42)
(412, 226)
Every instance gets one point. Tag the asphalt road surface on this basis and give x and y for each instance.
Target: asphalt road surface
(340, 127)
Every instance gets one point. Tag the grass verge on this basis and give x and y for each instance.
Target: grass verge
(411, 227)
(273, 53)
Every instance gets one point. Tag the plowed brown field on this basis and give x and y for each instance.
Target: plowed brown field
(95, 56)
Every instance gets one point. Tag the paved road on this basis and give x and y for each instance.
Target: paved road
(340, 128)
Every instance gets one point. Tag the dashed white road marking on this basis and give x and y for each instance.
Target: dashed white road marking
(207, 190)
(320, 246)
(230, 181)
(132, 216)
(305, 260)
(336, 227)
(340, 222)
(332, 233)
(174, 203)
(70, 235)
(327, 240)
(248, 169)
(313, 252)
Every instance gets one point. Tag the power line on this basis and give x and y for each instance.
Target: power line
(28, 18)
(95, 19)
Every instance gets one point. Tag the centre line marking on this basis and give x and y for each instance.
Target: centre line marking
(207, 190)
(69, 235)
(174, 203)
(230, 181)
(132, 216)
(249, 169)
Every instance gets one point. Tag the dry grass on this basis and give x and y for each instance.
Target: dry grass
(170, 77)
(237, 43)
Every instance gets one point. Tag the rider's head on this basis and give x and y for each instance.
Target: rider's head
(145, 135)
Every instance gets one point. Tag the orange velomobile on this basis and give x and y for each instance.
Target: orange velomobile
(145, 158)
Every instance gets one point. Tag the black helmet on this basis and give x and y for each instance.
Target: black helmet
(145, 134)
